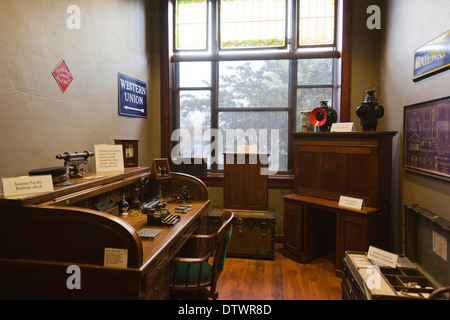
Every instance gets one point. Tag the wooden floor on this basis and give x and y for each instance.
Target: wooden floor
(280, 279)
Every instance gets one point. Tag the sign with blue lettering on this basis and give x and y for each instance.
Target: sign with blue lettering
(432, 58)
(132, 97)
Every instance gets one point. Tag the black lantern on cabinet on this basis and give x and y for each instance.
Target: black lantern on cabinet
(323, 117)
(370, 111)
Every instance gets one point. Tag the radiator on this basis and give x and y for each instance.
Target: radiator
(421, 227)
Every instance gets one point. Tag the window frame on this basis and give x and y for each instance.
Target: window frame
(219, 33)
(335, 31)
(341, 78)
(174, 38)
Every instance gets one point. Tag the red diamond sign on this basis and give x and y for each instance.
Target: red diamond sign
(62, 75)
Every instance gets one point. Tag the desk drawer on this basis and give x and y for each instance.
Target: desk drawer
(182, 240)
(160, 289)
(159, 271)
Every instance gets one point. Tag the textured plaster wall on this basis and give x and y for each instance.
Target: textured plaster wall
(411, 24)
(39, 121)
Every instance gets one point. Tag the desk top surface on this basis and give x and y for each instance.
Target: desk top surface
(328, 204)
(167, 237)
(87, 183)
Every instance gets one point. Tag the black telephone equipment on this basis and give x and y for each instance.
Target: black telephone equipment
(158, 214)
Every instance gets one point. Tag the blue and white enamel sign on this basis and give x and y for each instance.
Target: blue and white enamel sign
(132, 97)
(432, 58)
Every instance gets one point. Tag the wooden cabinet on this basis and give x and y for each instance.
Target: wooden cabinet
(356, 164)
(244, 186)
(327, 166)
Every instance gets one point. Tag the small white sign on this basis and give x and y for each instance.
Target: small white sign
(247, 149)
(27, 185)
(117, 258)
(108, 158)
(383, 257)
(343, 127)
(349, 202)
(440, 245)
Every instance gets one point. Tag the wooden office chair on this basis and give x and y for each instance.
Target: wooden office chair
(197, 273)
(438, 293)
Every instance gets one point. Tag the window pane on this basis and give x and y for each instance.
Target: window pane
(195, 108)
(252, 24)
(191, 24)
(195, 74)
(267, 141)
(309, 99)
(316, 22)
(253, 84)
(195, 118)
(315, 71)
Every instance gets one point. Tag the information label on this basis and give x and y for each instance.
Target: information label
(27, 185)
(382, 257)
(343, 127)
(108, 158)
(115, 257)
(349, 202)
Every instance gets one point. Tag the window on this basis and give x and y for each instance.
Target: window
(191, 24)
(244, 71)
(252, 24)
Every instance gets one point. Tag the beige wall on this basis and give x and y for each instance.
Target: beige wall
(409, 25)
(38, 121)
(386, 57)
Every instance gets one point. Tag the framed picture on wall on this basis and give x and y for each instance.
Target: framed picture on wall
(427, 138)
(130, 152)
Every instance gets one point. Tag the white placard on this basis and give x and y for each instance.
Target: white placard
(349, 202)
(246, 149)
(383, 257)
(108, 158)
(115, 257)
(343, 127)
(27, 185)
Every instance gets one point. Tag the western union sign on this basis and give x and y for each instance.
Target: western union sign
(432, 58)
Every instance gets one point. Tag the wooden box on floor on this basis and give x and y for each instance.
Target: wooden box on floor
(253, 234)
(362, 282)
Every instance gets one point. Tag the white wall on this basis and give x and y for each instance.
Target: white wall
(408, 25)
(37, 120)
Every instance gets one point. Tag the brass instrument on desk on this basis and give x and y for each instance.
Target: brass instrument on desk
(74, 162)
(159, 215)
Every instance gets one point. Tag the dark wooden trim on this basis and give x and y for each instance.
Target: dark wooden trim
(166, 76)
(346, 72)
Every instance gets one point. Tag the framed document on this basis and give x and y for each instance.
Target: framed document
(427, 138)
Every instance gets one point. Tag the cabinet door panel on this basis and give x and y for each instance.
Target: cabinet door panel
(334, 173)
(244, 186)
(293, 228)
(352, 235)
(308, 168)
(359, 175)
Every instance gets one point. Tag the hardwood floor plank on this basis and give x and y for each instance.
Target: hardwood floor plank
(281, 279)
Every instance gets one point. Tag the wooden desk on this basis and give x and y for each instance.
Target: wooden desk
(42, 235)
(328, 165)
(313, 226)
